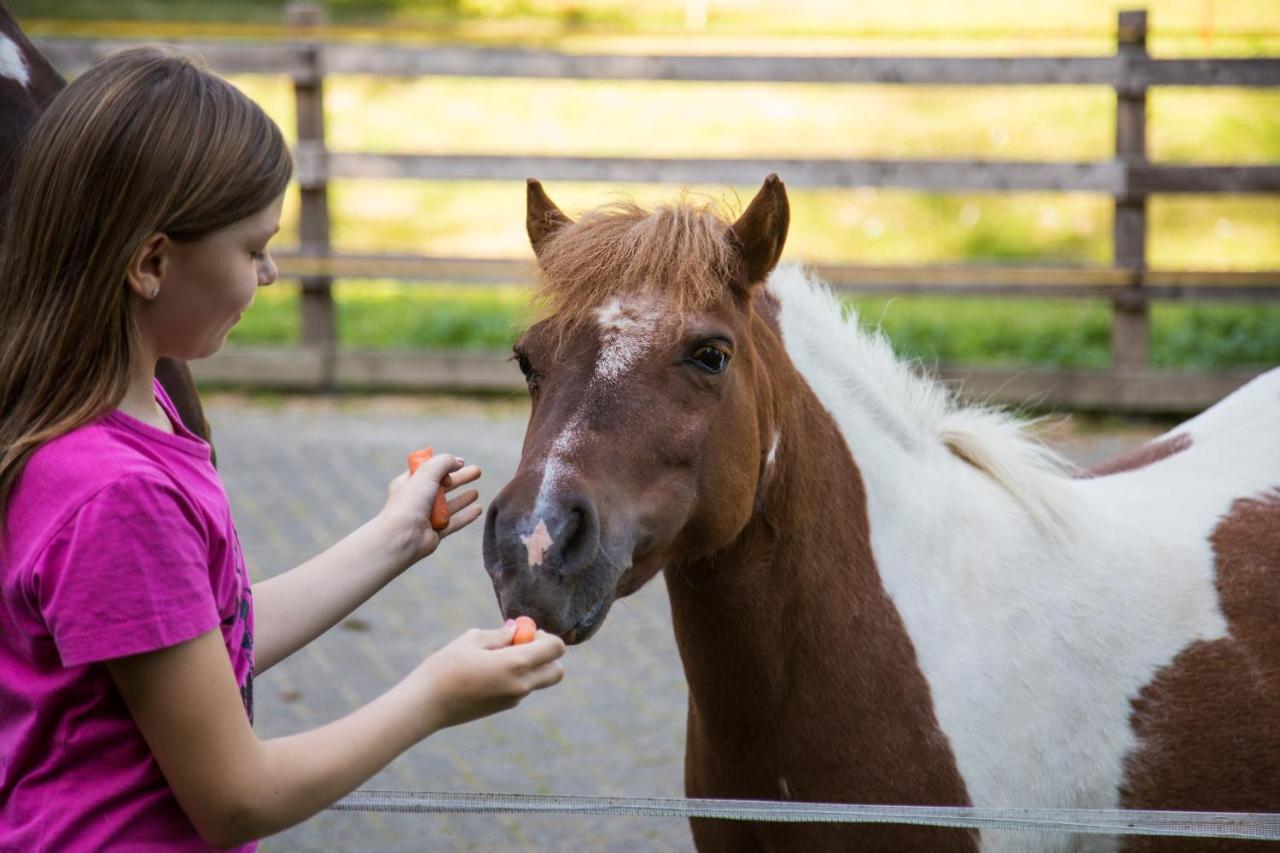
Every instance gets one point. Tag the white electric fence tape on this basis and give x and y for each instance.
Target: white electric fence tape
(1255, 826)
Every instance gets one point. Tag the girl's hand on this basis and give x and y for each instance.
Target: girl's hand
(409, 498)
(481, 673)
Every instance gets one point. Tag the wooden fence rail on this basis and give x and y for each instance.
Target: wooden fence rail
(1129, 178)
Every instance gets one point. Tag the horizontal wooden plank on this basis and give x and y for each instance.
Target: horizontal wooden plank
(72, 55)
(454, 371)
(955, 280)
(316, 166)
(976, 274)
(1148, 391)
(1207, 72)
(293, 367)
(1213, 278)
(1127, 295)
(498, 62)
(1145, 179)
(405, 268)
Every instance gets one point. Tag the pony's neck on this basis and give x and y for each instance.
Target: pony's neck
(765, 620)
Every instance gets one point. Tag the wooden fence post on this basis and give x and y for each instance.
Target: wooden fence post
(1130, 327)
(319, 326)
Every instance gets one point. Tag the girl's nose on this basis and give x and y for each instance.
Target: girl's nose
(268, 272)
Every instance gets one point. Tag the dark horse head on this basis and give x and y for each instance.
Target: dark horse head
(645, 439)
(27, 84)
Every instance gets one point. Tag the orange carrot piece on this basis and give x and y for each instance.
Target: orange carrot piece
(439, 517)
(416, 458)
(525, 629)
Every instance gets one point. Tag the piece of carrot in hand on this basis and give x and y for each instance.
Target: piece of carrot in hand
(525, 629)
(439, 516)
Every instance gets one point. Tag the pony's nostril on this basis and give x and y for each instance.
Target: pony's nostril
(580, 536)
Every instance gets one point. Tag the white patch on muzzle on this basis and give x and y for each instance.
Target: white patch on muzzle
(537, 543)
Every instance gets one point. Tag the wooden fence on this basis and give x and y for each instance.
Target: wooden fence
(1130, 178)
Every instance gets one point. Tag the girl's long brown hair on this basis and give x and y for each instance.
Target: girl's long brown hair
(145, 141)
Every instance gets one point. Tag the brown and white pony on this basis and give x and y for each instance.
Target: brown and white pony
(881, 595)
(28, 82)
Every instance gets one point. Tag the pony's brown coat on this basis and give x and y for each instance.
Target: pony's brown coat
(1208, 725)
(1140, 457)
(776, 710)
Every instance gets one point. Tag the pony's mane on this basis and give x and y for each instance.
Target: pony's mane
(675, 252)
(917, 408)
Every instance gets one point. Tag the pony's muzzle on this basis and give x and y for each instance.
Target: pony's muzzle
(542, 562)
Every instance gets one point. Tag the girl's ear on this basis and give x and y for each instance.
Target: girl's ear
(148, 266)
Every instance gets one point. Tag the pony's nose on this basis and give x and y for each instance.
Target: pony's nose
(557, 538)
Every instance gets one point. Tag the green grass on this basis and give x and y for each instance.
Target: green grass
(383, 315)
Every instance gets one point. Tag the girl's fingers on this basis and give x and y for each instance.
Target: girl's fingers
(495, 638)
(543, 649)
(459, 520)
(437, 469)
(462, 476)
(546, 675)
(463, 500)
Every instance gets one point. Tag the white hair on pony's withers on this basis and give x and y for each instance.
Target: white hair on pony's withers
(918, 411)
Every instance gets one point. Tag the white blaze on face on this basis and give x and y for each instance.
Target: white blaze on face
(627, 331)
(12, 65)
(773, 450)
(537, 543)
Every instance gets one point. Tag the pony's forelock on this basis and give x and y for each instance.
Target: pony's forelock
(675, 254)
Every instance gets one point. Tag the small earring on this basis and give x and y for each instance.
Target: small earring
(155, 291)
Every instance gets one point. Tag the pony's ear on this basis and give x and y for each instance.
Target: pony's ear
(761, 231)
(542, 218)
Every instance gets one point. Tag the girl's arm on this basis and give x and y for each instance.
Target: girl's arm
(236, 788)
(293, 608)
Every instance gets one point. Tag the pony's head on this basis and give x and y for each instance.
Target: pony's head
(649, 430)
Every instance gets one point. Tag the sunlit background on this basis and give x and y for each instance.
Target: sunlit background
(447, 115)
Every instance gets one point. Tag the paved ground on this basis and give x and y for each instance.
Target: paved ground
(302, 472)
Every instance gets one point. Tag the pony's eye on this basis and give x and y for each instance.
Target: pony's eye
(526, 367)
(710, 358)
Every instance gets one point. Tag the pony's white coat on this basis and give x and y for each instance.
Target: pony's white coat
(1038, 605)
(12, 65)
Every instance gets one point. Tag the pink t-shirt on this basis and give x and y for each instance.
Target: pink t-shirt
(121, 542)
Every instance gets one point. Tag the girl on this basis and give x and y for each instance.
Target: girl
(141, 212)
